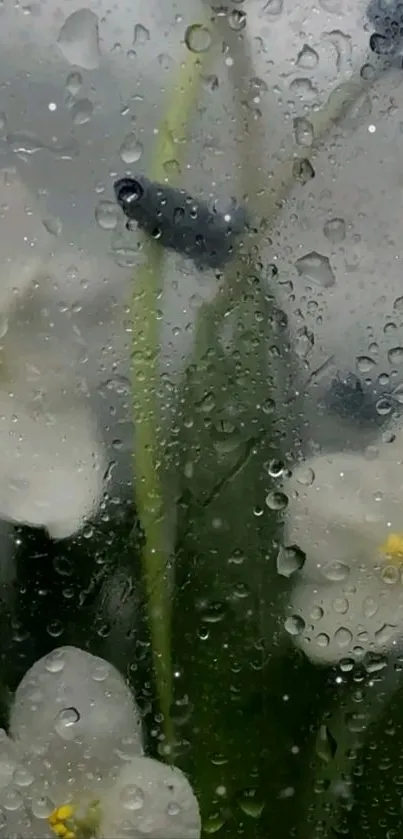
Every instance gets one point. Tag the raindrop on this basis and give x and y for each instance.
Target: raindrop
(385, 634)
(11, 799)
(74, 82)
(306, 477)
(132, 797)
(213, 823)
(316, 268)
(395, 355)
(369, 607)
(53, 225)
(198, 38)
(54, 663)
(398, 304)
(140, 34)
(79, 39)
(364, 364)
(276, 500)
(340, 605)
(303, 131)
(42, 807)
(274, 7)
(82, 111)
(303, 89)
(335, 230)
(326, 745)
(106, 215)
(131, 149)
(65, 722)
(289, 560)
(237, 19)
(226, 437)
(214, 613)
(23, 777)
(294, 625)
(307, 58)
(336, 571)
(303, 171)
(251, 803)
(343, 47)
(343, 637)
(303, 342)
(173, 809)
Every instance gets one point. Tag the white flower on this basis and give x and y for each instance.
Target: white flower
(73, 763)
(346, 513)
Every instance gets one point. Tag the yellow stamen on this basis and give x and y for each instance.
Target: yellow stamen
(57, 822)
(393, 548)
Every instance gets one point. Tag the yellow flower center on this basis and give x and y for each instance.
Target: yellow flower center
(66, 823)
(393, 548)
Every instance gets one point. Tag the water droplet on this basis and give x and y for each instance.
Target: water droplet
(106, 215)
(226, 437)
(343, 637)
(303, 89)
(335, 230)
(82, 111)
(42, 807)
(132, 797)
(307, 58)
(303, 131)
(23, 777)
(306, 477)
(364, 364)
(342, 44)
(326, 745)
(336, 571)
(369, 607)
(395, 355)
(65, 722)
(74, 82)
(316, 268)
(214, 613)
(340, 605)
(276, 500)
(11, 799)
(131, 149)
(198, 38)
(173, 809)
(274, 8)
(251, 803)
(385, 634)
(237, 19)
(294, 625)
(53, 225)
(303, 342)
(289, 560)
(397, 394)
(54, 662)
(79, 39)
(303, 171)
(140, 34)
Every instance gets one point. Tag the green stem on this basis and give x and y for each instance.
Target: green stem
(148, 452)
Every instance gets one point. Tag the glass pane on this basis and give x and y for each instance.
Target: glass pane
(201, 305)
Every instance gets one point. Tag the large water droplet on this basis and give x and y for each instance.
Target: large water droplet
(294, 625)
(82, 111)
(106, 215)
(140, 34)
(303, 89)
(289, 560)
(364, 364)
(274, 7)
(276, 500)
(335, 230)
(132, 797)
(73, 83)
(237, 19)
(251, 803)
(79, 39)
(65, 722)
(395, 355)
(131, 149)
(198, 38)
(326, 745)
(307, 58)
(303, 131)
(316, 268)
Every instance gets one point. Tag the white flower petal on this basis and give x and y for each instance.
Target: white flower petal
(150, 799)
(51, 472)
(346, 513)
(75, 703)
(347, 620)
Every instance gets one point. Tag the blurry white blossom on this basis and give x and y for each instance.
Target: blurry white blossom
(73, 763)
(347, 599)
